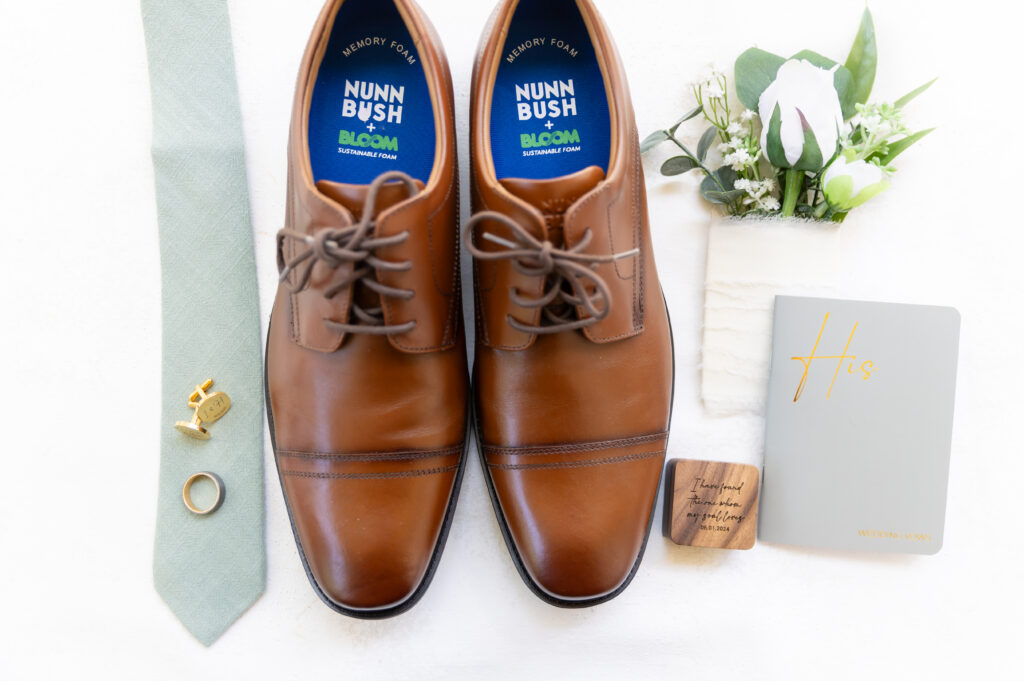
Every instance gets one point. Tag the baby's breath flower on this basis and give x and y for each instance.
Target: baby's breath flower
(738, 143)
(748, 115)
(734, 160)
(760, 193)
(871, 123)
(714, 89)
(739, 159)
(735, 128)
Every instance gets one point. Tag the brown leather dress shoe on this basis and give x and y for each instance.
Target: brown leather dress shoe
(573, 373)
(367, 386)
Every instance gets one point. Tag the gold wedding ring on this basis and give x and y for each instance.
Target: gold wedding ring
(186, 492)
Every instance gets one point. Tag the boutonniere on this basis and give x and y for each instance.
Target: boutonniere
(808, 143)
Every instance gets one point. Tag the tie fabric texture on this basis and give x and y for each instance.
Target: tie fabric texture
(208, 569)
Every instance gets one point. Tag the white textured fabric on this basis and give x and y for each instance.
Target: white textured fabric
(750, 262)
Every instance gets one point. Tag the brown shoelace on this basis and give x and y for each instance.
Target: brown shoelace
(352, 244)
(558, 266)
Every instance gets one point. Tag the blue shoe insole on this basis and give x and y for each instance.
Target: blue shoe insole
(370, 111)
(549, 113)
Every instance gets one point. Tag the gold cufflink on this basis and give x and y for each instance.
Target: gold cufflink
(209, 406)
(193, 428)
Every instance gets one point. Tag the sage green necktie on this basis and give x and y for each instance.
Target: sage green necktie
(208, 568)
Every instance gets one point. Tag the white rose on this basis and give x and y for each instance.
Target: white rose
(806, 100)
(849, 183)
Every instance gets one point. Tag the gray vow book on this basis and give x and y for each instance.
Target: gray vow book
(858, 425)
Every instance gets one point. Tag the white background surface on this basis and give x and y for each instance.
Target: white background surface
(79, 270)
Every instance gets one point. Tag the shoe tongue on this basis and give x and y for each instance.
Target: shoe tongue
(353, 196)
(553, 197)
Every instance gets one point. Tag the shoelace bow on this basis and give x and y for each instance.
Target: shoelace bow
(352, 244)
(533, 257)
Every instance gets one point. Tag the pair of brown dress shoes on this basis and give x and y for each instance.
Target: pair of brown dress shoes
(368, 393)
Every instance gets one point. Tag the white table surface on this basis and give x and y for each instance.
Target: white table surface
(81, 348)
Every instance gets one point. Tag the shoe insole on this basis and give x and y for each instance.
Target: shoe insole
(370, 110)
(549, 114)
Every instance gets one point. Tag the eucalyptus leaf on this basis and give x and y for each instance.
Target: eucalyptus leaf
(723, 197)
(898, 147)
(863, 59)
(677, 165)
(653, 140)
(705, 142)
(726, 193)
(709, 186)
(755, 71)
(727, 176)
(690, 114)
(842, 79)
(905, 99)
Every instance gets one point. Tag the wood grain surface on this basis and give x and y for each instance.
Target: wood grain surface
(711, 504)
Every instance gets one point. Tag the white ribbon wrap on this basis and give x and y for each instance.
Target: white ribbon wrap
(750, 261)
